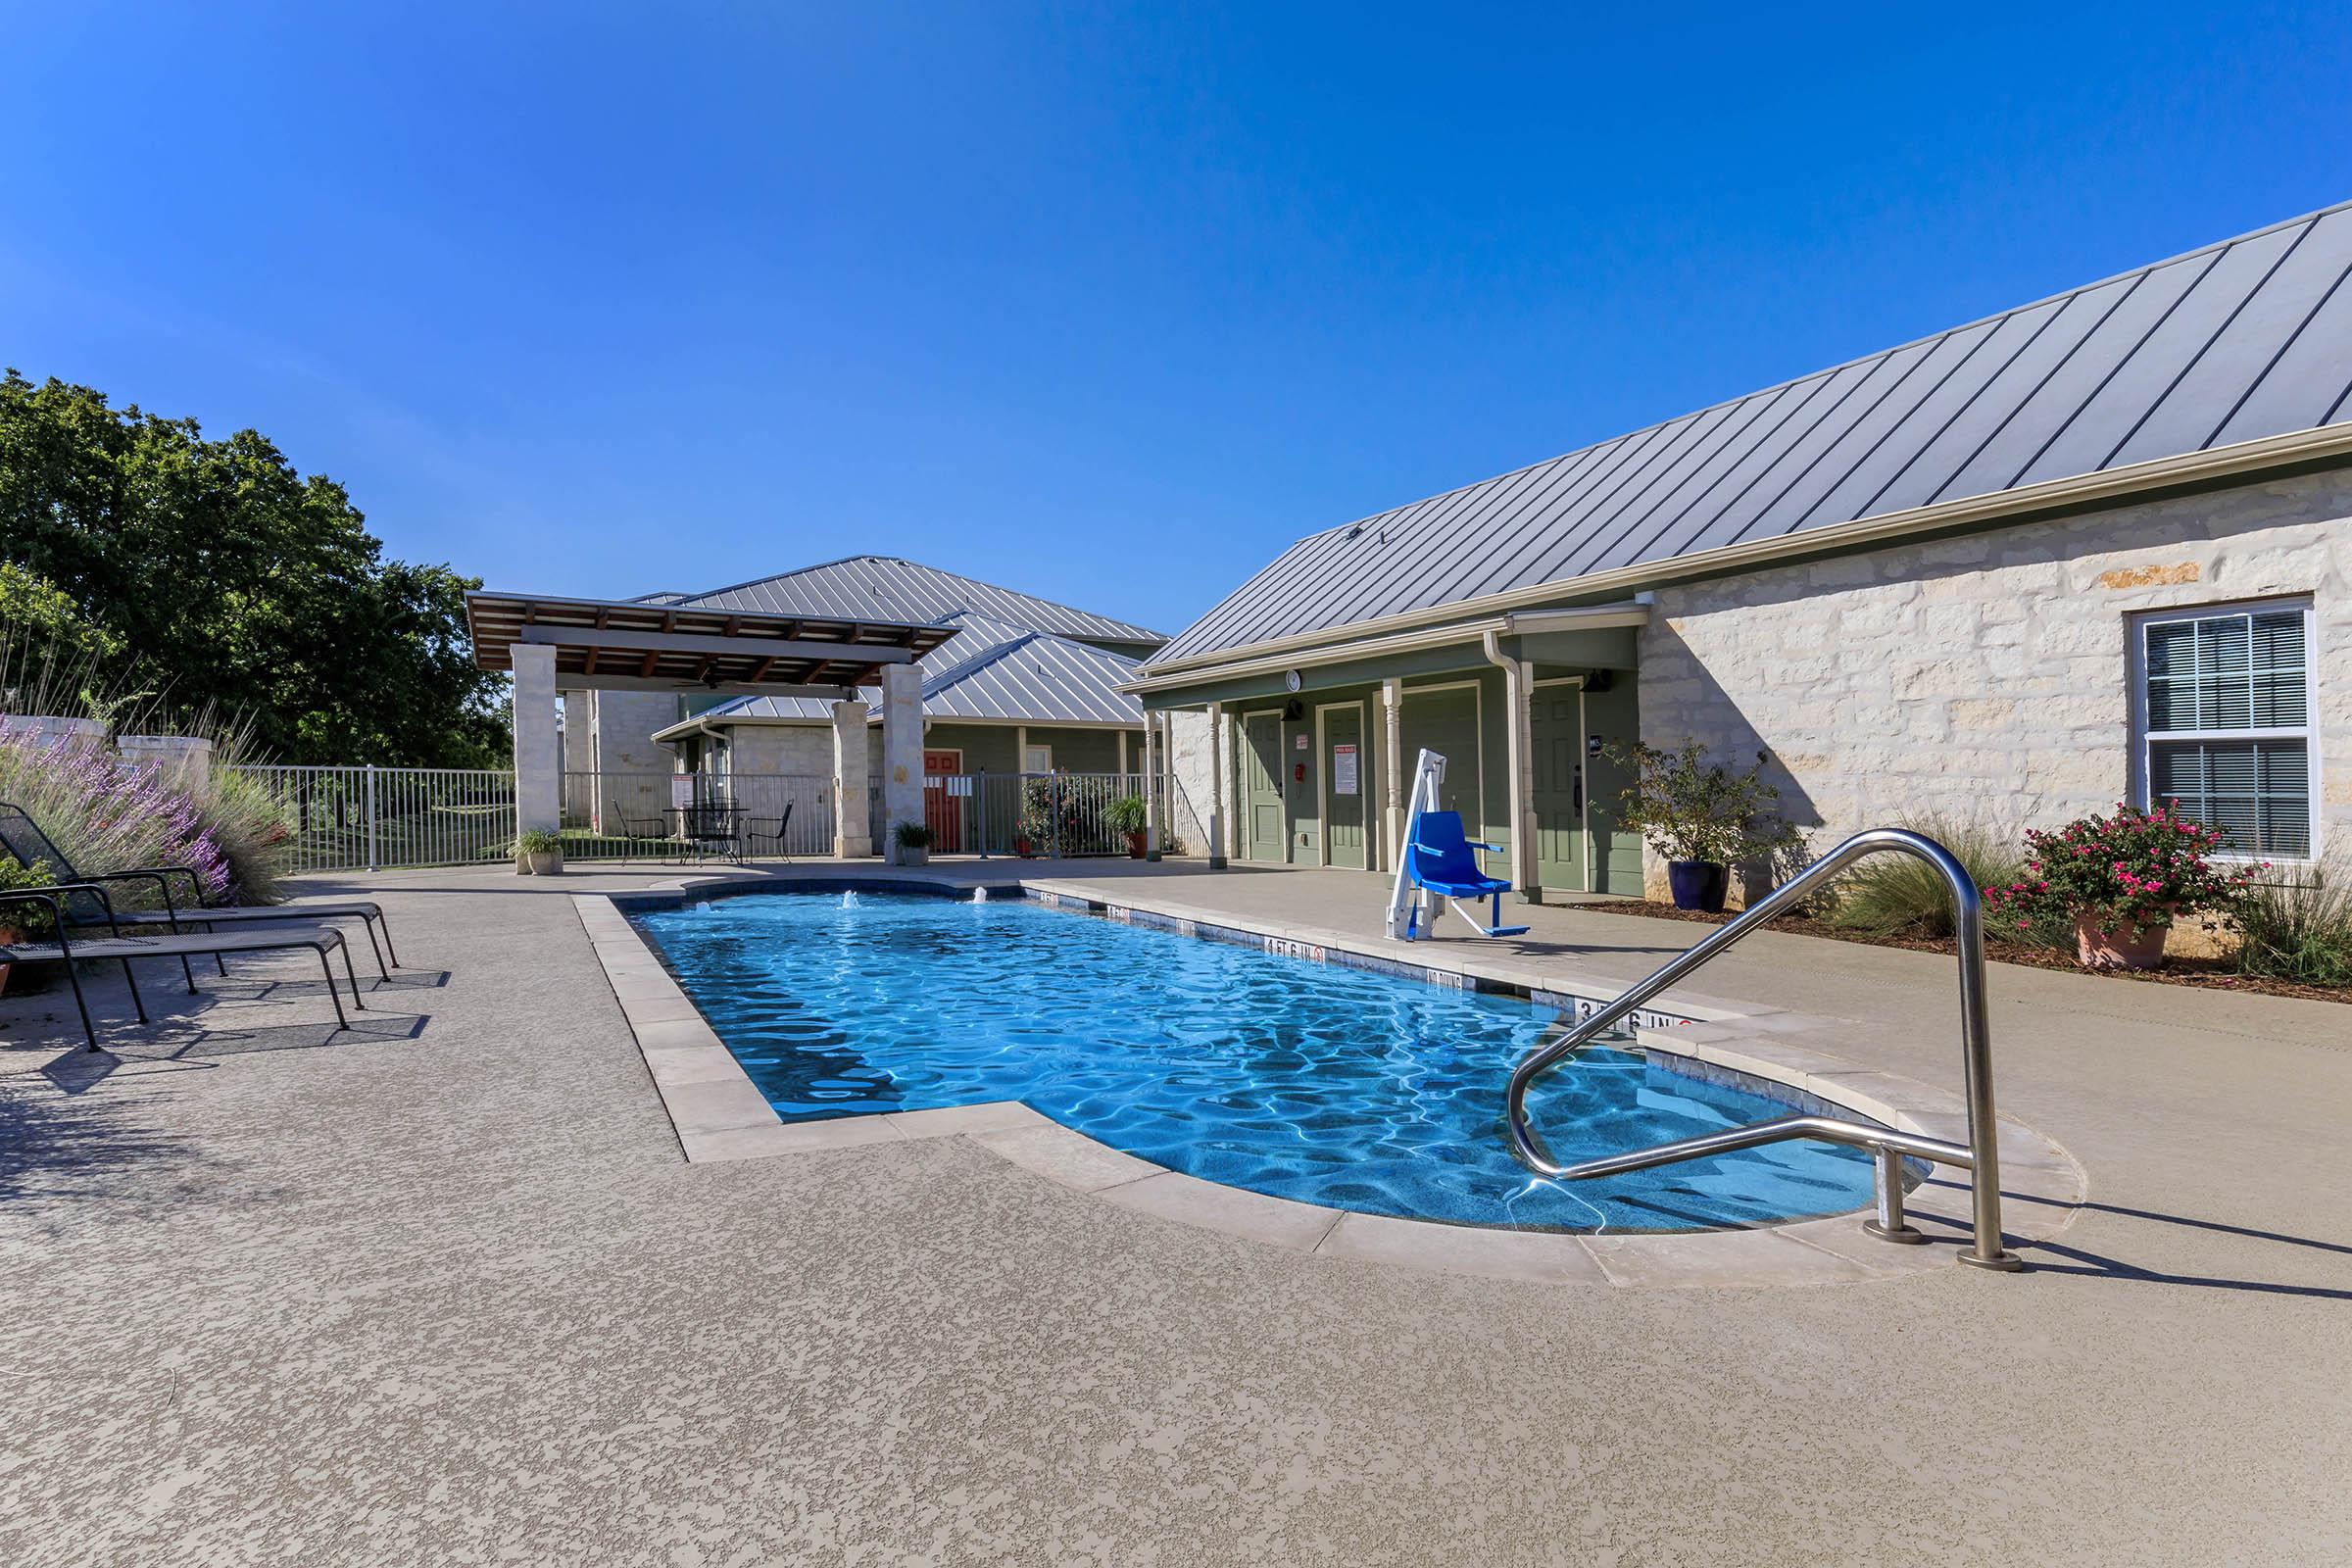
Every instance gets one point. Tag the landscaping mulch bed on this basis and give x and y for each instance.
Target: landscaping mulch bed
(2205, 974)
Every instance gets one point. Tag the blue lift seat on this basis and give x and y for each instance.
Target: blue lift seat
(1440, 860)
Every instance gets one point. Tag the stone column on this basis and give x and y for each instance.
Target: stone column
(1519, 698)
(902, 752)
(1216, 786)
(182, 761)
(852, 837)
(538, 757)
(1151, 786)
(1391, 770)
(51, 732)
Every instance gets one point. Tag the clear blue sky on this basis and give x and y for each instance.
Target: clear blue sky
(1106, 307)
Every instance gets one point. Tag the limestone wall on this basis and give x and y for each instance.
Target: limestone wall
(799, 749)
(1196, 780)
(1988, 676)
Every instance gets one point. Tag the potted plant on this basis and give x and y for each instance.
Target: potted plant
(22, 922)
(541, 851)
(2122, 881)
(1037, 817)
(1700, 816)
(912, 841)
(1126, 816)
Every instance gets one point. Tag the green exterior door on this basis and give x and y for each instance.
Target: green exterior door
(1344, 776)
(1445, 722)
(1261, 786)
(1615, 716)
(1558, 732)
(1302, 791)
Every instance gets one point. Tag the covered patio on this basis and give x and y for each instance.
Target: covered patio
(552, 643)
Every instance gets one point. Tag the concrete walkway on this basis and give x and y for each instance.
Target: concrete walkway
(443, 1290)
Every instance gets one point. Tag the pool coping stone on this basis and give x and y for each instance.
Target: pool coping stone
(721, 1115)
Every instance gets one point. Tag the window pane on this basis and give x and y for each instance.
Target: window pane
(2223, 646)
(2237, 671)
(2173, 650)
(2286, 826)
(2255, 791)
(2223, 703)
(2171, 704)
(2278, 640)
(2280, 702)
(2284, 767)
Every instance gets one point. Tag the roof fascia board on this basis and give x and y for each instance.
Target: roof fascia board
(678, 642)
(704, 723)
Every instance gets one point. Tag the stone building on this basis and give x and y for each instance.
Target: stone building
(2091, 548)
(1025, 685)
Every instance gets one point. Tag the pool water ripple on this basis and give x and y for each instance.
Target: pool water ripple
(1323, 1084)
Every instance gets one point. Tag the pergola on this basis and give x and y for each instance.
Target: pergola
(552, 643)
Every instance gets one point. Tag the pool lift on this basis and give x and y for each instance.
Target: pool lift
(1435, 862)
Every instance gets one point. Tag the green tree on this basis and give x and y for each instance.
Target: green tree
(234, 582)
(44, 617)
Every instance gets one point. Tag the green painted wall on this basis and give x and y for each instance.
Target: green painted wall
(1088, 751)
(1615, 856)
(985, 748)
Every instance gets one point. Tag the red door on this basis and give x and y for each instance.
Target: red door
(943, 812)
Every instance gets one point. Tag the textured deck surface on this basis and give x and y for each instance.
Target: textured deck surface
(443, 1290)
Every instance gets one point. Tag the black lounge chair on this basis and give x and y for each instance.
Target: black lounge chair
(215, 945)
(768, 830)
(22, 836)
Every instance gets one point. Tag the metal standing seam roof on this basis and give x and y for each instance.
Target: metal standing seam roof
(2246, 339)
(992, 672)
(890, 589)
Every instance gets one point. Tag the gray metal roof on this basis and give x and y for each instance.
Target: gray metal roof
(2249, 337)
(888, 589)
(992, 671)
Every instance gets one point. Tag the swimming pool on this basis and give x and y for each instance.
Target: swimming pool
(1329, 1084)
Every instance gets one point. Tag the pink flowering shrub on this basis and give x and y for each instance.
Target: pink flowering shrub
(2135, 869)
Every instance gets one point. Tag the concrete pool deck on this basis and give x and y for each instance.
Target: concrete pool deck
(444, 1289)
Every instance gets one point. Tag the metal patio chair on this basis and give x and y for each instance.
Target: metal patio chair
(22, 836)
(216, 945)
(639, 827)
(768, 830)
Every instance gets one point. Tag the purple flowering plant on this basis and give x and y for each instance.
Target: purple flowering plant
(107, 816)
(2134, 869)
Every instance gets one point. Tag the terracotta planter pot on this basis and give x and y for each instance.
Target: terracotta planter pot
(2116, 947)
(1135, 844)
(9, 936)
(1021, 846)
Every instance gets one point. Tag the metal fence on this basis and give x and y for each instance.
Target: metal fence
(366, 818)
(664, 816)
(370, 819)
(1050, 814)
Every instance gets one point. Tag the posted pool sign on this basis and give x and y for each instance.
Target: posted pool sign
(1342, 770)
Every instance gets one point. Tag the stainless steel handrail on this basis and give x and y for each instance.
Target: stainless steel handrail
(1980, 1157)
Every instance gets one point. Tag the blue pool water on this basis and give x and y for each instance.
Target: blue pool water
(1325, 1084)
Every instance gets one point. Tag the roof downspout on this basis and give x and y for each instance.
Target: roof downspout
(1518, 695)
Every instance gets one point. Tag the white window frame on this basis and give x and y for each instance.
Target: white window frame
(1028, 748)
(2144, 739)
